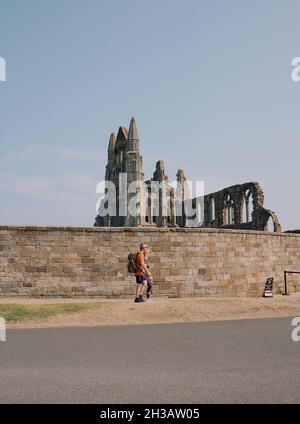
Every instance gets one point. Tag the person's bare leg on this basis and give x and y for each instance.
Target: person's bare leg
(149, 290)
(142, 288)
(138, 289)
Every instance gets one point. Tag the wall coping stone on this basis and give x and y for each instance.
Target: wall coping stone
(143, 229)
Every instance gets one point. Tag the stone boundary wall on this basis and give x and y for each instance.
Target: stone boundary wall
(67, 261)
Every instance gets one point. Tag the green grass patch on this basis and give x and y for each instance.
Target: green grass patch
(14, 313)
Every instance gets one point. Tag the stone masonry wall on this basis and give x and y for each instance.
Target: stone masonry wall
(50, 261)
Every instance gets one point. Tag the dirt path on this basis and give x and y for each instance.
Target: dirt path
(163, 310)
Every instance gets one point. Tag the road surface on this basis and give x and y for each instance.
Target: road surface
(231, 361)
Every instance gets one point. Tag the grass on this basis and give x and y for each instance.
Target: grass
(16, 313)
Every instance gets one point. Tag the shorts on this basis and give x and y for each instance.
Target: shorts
(140, 279)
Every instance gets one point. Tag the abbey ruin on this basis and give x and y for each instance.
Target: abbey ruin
(237, 207)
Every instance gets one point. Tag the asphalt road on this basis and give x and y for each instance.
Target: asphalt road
(232, 361)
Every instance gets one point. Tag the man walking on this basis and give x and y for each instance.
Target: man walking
(141, 273)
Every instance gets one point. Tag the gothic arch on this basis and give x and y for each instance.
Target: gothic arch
(247, 205)
(228, 210)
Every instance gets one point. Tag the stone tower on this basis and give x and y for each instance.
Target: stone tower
(124, 167)
(135, 175)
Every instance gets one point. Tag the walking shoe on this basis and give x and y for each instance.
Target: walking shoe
(149, 300)
(138, 300)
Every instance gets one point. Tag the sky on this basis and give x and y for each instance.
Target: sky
(208, 82)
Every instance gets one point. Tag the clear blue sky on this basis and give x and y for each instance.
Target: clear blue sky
(209, 83)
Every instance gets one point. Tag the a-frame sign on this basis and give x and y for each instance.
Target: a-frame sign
(268, 287)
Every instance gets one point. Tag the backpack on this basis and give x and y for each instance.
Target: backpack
(132, 265)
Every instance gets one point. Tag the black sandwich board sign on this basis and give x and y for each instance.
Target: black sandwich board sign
(269, 287)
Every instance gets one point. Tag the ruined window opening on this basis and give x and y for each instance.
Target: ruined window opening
(229, 210)
(149, 212)
(212, 209)
(247, 206)
(270, 226)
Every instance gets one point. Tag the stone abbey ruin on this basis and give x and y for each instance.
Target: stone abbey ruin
(237, 207)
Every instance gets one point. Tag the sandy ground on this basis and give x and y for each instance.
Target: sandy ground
(162, 310)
